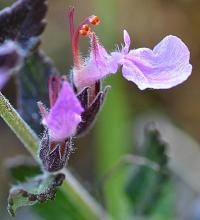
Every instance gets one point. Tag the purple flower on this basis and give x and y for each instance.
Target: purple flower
(61, 124)
(165, 66)
(11, 57)
(64, 116)
(87, 71)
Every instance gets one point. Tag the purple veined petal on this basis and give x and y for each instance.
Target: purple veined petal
(88, 74)
(11, 57)
(166, 66)
(114, 61)
(107, 63)
(115, 58)
(65, 115)
(127, 42)
(132, 73)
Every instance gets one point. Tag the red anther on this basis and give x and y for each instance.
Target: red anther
(85, 27)
(83, 32)
(95, 20)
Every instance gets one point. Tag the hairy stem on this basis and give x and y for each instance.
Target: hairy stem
(18, 126)
(89, 208)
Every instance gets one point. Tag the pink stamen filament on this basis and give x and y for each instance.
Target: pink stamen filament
(95, 48)
(75, 34)
(75, 42)
(70, 14)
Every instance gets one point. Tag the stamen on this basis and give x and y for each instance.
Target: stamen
(83, 32)
(94, 43)
(83, 29)
(94, 20)
(70, 14)
(75, 41)
(86, 27)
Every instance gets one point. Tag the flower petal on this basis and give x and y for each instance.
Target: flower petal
(65, 115)
(132, 73)
(114, 61)
(127, 42)
(165, 66)
(89, 73)
(94, 68)
(116, 56)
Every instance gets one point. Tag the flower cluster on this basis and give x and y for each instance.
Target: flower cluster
(74, 104)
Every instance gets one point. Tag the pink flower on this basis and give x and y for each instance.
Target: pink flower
(64, 115)
(94, 68)
(87, 71)
(166, 66)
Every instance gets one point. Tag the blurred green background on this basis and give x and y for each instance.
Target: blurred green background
(147, 21)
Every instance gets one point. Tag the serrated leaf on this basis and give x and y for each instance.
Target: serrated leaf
(23, 22)
(64, 208)
(20, 168)
(33, 87)
(145, 185)
(154, 147)
(39, 189)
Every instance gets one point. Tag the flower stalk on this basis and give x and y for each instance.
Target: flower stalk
(88, 207)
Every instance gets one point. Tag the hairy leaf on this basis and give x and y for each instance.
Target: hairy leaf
(23, 22)
(39, 189)
(64, 207)
(33, 87)
(145, 185)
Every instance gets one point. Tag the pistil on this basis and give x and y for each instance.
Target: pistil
(83, 29)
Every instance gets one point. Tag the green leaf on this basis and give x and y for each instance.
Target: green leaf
(63, 208)
(33, 87)
(145, 185)
(22, 167)
(38, 189)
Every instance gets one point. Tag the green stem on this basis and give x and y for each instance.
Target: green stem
(89, 208)
(86, 204)
(18, 126)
